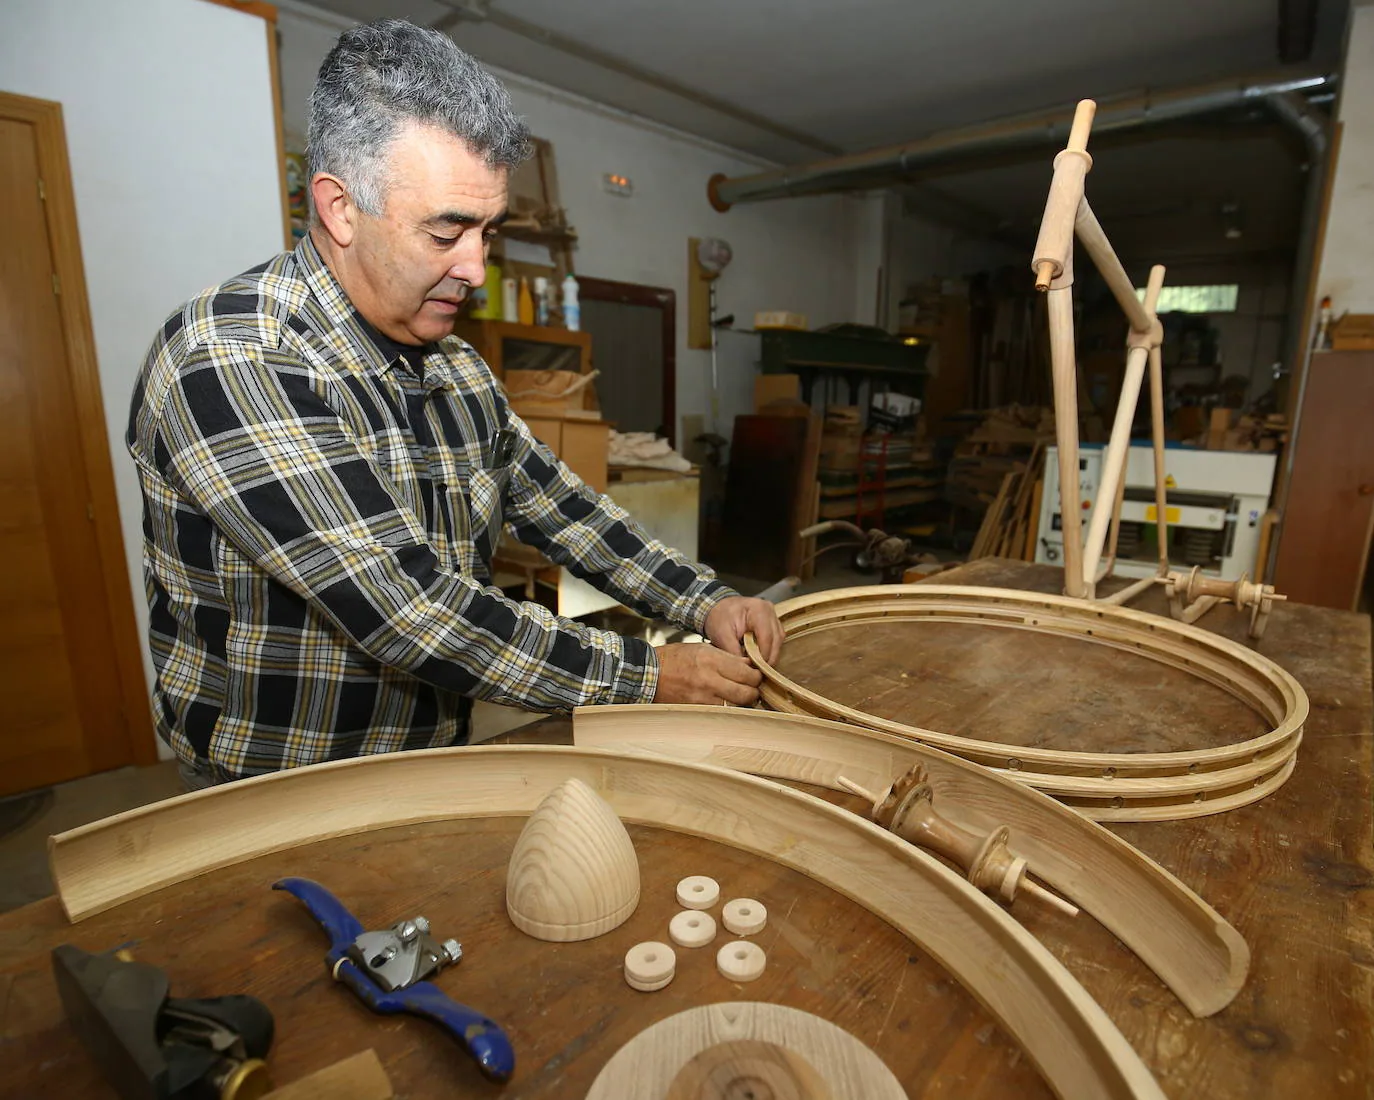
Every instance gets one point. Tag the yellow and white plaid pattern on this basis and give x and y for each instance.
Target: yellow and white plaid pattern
(317, 524)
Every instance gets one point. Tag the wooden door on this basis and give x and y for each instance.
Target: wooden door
(634, 341)
(1324, 540)
(65, 706)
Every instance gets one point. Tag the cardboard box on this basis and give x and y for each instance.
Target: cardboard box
(1353, 332)
(780, 318)
(775, 387)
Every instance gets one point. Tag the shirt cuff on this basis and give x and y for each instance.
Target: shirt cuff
(636, 678)
(693, 613)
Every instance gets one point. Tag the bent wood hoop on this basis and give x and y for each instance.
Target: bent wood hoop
(1186, 942)
(1064, 1032)
(1152, 786)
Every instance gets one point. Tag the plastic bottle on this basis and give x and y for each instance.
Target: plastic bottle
(526, 309)
(572, 312)
(486, 299)
(541, 300)
(510, 305)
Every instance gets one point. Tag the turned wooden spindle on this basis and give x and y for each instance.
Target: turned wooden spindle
(907, 809)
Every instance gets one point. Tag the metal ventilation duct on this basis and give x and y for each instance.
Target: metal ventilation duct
(891, 164)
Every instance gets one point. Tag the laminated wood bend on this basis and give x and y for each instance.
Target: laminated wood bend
(1155, 786)
(1064, 1032)
(1186, 942)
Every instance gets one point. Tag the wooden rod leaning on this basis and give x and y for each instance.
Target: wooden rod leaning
(1112, 477)
(1157, 446)
(1064, 364)
(1192, 949)
(1063, 1031)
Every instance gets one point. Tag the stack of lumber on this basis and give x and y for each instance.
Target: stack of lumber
(1002, 442)
(902, 464)
(1009, 525)
(1229, 432)
(905, 468)
(841, 438)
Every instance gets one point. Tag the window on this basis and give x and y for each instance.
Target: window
(1220, 298)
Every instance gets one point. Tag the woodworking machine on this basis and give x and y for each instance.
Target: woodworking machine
(1215, 502)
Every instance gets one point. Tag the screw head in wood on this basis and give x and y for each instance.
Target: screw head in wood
(649, 966)
(741, 961)
(692, 928)
(744, 916)
(698, 892)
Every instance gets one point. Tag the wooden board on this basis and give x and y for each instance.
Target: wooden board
(763, 484)
(1324, 538)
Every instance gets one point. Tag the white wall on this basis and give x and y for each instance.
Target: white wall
(797, 254)
(170, 132)
(1347, 271)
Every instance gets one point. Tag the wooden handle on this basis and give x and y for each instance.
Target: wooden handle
(1153, 286)
(1082, 123)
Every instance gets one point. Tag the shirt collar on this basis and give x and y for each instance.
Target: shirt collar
(379, 351)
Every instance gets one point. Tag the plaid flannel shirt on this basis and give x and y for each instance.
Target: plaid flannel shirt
(318, 522)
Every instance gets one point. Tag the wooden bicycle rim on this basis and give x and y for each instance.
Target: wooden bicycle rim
(1106, 786)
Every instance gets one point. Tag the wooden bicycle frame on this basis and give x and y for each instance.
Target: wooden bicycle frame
(1067, 214)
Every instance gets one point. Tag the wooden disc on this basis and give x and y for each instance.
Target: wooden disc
(650, 966)
(744, 916)
(692, 928)
(745, 1037)
(741, 961)
(748, 1069)
(698, 892)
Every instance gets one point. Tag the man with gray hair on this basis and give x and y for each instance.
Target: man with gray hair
(326, 469)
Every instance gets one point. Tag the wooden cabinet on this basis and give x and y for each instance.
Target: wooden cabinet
(1324, 539)
(505, 345)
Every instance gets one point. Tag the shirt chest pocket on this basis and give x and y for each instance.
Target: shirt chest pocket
(486, 512)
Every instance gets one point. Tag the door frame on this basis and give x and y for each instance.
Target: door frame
(655, 297)
(93, 441)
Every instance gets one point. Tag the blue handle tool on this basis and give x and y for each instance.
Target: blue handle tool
(385, 969)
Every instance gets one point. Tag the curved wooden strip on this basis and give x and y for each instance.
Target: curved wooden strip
(1186, 942)
(1244, 771)
(1068, 1037)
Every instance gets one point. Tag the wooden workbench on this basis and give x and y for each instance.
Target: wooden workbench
(1293, 873)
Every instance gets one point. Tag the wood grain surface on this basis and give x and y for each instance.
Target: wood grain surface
(1293, 873)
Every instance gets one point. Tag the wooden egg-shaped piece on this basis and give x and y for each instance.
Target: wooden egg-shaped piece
(573, 874)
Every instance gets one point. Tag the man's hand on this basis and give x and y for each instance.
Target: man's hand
(735, 616)
(692, 672)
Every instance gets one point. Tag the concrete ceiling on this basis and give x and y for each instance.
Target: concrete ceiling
(793, 81)
(790, 80)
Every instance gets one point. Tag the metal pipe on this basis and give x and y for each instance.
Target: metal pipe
(1298, 340)
(889, 163)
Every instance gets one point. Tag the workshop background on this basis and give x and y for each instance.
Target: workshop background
(766, 283)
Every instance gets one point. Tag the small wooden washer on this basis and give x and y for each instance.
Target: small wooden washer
(744, 916)
(741, 961)
(698, 892)
(649, 966)
(692, 928)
